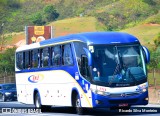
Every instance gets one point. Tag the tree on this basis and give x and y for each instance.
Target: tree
(2, 37)
(154, 60)
(150, 2)
(135, 9)
(37, 19)
(7, 63)
(155, 54)
(157, 40)
(50, 13)
(15, 4)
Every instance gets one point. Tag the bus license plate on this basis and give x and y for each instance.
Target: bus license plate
(123, 105)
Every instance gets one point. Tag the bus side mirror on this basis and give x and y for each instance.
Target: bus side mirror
(147, 54)
(89, 56)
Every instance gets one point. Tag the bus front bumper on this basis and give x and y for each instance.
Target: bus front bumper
(100, 101)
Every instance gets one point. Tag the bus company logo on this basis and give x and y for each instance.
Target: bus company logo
(35, 78)
(123, 95)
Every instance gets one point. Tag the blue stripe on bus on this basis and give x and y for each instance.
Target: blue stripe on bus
(41, 69)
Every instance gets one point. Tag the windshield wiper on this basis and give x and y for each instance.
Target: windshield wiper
(120, 60)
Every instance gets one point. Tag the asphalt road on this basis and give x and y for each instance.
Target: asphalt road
(18, 109)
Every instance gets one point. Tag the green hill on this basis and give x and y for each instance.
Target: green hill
(74, 25)
(114, 14)
(132, 16)
(66, 26)
(145, 32)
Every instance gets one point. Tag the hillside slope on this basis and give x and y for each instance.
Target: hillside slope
(74, 25)
(144, 32)
(64, 27)
(114, 14)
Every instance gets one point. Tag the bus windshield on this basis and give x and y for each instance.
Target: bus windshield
(118, 66)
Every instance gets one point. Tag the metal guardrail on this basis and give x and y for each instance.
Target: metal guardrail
(7, 80)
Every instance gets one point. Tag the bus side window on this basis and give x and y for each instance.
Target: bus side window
(84, 67)
(26, 66)
(55, 55)
(45, 57)
(34, 56)
(19, 60)
(82, 60)
(67, 55)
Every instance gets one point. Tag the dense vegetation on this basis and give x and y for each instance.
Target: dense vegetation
(7, 62)
(123, 14)
(16, 14)
(155, 54)
(114, 14)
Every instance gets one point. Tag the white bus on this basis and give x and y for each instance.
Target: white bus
(85, 70)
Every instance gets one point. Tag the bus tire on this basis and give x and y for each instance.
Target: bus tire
(3, 98)
(79, 109)
(38, 104)
(37, 101)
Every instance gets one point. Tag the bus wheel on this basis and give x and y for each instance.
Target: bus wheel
(3, 98)
(79, 109)
(37, 102)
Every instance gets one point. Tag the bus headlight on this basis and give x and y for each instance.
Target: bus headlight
(7, 93)
(144, 90)
(101, 92)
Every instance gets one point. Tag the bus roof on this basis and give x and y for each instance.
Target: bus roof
(95, 38)
(89, 38)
